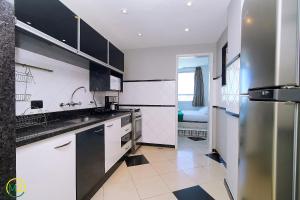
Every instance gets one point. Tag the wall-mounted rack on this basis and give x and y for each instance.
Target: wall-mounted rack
(23, 77)
(23, 97)
(35, 67)
(24, 121)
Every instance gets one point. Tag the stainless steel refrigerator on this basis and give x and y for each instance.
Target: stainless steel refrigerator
(269, 97)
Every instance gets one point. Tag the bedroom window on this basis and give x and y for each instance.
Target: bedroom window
(186, 86)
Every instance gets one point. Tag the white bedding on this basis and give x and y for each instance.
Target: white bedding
(200, 115)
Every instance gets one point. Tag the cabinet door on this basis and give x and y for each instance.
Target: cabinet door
(99, 77)
(51, 17)
(92, 43)
(112, 143)
(116, 57)
(48, 168)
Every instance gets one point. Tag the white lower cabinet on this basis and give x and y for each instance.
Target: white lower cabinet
(112, 143)
(48, 168)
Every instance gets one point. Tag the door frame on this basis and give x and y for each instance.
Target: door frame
(210, 55)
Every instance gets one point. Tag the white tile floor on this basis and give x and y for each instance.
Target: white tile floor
(169, 170)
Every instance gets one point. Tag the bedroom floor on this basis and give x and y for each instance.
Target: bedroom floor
(167, 173)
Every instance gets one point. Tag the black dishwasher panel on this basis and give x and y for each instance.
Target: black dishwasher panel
(90, 161)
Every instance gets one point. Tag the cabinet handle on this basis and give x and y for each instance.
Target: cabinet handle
(97, 131)
(110, 125)
(127, 129)
(63, 145)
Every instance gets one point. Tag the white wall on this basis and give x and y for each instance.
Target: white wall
(159, 62)
(234, 28)
(232, 93)
(54, 87)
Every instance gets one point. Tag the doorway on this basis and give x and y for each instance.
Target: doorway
(194, 100)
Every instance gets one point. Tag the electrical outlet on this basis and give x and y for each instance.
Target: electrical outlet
(36, 104)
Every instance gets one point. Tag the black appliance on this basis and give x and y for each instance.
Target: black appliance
(111, 103)
(90, 161)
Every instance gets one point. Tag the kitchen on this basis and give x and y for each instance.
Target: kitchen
(89, 100)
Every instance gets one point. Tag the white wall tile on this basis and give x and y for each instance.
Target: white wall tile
(153, 93)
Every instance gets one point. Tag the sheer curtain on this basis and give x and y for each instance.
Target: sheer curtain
(198, 99)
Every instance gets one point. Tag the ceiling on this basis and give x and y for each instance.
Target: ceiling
(191, 62)
(162, 22)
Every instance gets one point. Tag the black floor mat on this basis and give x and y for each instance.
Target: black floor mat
(196, 138)
(136, 160)
(192, 193)
(216, 157)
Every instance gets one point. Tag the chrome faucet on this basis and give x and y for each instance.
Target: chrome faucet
(72, 103)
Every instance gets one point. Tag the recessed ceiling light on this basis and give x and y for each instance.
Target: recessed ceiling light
(140, 34)
(186, 29)
(28, 23)
(189, 3)
(124, 10)
(63, 40)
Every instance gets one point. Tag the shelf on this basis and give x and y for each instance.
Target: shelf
(48, 38)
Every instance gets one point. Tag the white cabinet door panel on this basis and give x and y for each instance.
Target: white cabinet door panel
(112, 143)
(49, 172)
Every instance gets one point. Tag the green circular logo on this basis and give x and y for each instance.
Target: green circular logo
(15, 187)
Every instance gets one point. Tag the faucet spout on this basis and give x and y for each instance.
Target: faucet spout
(72, 102)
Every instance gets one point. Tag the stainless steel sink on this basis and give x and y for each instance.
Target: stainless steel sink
(82, 119)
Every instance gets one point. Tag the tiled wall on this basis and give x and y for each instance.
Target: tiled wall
(231, 91)
(159, 122)
(231, 95)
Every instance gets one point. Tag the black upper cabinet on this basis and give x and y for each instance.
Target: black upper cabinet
(116, 57)
(99, 77)
(49, 16)
(92, 43)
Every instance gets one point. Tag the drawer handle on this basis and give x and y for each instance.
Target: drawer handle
(63, 145)
(127, 129)
(110, 125)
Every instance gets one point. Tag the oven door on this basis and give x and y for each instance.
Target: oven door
(138, 128)
(126, 138)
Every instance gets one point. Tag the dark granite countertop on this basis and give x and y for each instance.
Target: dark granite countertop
(62, 125)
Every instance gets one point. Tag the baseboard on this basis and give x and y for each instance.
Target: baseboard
(157, 145)
(228, 189)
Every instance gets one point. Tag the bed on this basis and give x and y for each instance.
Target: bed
(193, 122)
(200, 115)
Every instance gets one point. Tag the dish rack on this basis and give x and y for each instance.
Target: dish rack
(23, 97)
(26, 78)
(25, 121)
